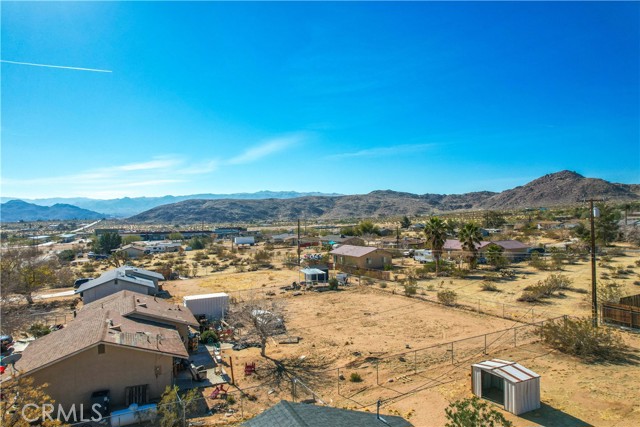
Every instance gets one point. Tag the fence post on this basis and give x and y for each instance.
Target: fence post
(452, 362)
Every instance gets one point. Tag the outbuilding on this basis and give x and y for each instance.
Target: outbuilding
(213, 306)
(506, 383)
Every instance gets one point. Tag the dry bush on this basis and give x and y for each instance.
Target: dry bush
(488, 286)
(447, 297)
(578, 337)
(546, 288)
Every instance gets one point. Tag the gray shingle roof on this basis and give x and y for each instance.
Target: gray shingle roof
(127, 274)
(289, 414)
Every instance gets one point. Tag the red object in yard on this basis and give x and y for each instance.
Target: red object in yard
(2, 368)
(219, 391)
(249, 368)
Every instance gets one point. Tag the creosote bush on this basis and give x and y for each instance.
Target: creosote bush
(546, 288)
(447, 297)
(490, 287)
(578, 337)
(473, 412)
(355, 377)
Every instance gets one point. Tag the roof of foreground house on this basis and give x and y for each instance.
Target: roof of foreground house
(289, 414)
(113, 320)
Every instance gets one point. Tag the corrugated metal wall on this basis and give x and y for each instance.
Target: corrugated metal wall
(519, 397)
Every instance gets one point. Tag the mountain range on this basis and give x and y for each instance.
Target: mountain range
(128, 206)
(557, 189)
(17, 210)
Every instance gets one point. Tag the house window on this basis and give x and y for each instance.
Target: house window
(136, 394)
(101, 349)
(368, 261)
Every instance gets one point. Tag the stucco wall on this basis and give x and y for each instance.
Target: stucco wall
(72, 380)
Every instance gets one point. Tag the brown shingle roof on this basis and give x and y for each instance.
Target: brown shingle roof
(110, 321)
(354, 251)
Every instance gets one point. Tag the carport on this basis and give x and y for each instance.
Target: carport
(506, 383)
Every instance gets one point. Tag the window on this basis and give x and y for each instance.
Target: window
(136, 394)
(101, 349)
(368, 261)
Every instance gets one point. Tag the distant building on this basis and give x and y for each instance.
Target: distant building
(361, 257)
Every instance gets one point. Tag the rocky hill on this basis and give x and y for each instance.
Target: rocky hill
(558, 189)
(17, 210)
(562, 188)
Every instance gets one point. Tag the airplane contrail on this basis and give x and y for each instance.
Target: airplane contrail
(56, 66)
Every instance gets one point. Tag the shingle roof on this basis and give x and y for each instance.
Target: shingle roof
(119, 274)
(288, 414)
(354, 251)
(112, 321)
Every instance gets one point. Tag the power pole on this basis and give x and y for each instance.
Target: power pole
(298, 242)
(594, 294)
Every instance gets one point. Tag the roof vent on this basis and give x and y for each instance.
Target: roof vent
(143, 305)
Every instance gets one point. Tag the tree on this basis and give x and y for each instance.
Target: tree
(405, 222)
(25, 270)
(495, 256)
(367, 228)
(436, 232)
(259, 320)
(67, 255)
(493, 219)
(172, 408)
(175, 236)
(470, 237)
(107, 242)
(22, 400)
(606, 225)
(118, 259)
(473, 412)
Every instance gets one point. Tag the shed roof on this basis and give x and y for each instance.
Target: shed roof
(205, 296)
(309, 271)
(354, 251)
(510, 371)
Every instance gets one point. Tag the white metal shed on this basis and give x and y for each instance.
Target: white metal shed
(507, 383)
(214, 306)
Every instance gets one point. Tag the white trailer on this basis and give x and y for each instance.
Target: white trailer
(213, 306)
(248, 240)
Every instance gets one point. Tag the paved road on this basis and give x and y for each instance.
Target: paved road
(55, 295)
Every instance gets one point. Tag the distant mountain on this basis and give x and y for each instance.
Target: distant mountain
(17, 210)
(129, 206)
(558, 189)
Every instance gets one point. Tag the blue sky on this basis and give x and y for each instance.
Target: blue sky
(425, 97)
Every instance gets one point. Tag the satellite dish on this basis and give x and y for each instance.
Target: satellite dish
(10, 360)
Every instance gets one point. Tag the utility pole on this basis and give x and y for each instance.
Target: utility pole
(593, 212)
(298, 242)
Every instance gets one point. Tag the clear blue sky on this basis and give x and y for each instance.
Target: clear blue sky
(425, 97)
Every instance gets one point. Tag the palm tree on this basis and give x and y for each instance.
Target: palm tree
(470, 236)
(436, 231)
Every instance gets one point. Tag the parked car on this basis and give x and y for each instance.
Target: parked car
(163, 294)
(79, 282)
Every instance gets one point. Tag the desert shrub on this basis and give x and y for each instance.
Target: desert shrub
(578, 337)
(447, 297)
(508, 274)
(355, 377)
(610, 292)
(459, 273)
(488, 286)
(383, 285)
(637, 262)
(230, 399)
(88, 267)
(538, 262)
(209, 335)
(333, 283)
(39, 330)
(615, 252)
(410, 288)
(491, 277)
(472, 412)
(546, 288)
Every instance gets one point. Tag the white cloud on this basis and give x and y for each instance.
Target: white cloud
(383, 151)
(266, 148)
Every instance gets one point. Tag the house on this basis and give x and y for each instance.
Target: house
(123, 278)
(126, 343)
(162, 247)
(290, 414)
(361, 257)
(132, 250)
(512, 249)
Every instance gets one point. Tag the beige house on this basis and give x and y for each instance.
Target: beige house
(125, 343)
(132, 250)
(361, 257)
